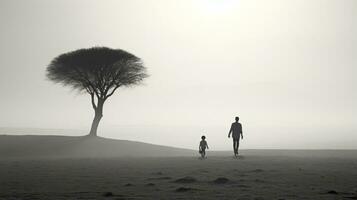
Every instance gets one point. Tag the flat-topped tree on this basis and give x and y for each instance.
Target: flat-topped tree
(99, 71)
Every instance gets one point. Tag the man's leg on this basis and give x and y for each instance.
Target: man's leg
(234, 146)
(237, 143)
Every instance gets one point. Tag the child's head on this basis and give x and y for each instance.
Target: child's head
(203, 137)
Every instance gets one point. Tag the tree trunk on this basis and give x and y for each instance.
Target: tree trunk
(97, 117)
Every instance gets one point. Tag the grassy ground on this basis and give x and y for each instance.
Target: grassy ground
(252, 176)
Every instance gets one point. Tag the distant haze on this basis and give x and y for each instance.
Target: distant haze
(287, 68)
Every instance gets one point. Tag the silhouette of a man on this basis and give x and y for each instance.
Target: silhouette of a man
(236, 130)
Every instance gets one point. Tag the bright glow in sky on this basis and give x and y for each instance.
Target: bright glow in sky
(286, 67)
(217, 6)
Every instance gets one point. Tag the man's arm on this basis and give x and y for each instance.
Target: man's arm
(230, 131)
(241, 131)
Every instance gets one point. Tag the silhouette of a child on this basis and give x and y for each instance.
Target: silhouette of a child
(203, 146)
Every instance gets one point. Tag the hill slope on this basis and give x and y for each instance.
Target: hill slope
(67, 147)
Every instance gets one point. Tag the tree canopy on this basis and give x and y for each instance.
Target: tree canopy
(97, 70)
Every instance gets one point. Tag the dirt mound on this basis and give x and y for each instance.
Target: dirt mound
(186, 179)
(221, 180)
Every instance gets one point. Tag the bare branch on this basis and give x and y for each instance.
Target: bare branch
(112, 92)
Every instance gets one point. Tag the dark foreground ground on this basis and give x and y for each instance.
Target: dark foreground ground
(255, 175)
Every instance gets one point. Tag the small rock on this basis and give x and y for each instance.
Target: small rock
(332, 192)
(350, 197)
(243, 186)
(221, 180)
(184, 189)
(108, 194)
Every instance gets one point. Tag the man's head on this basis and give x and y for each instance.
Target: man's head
(237, 119)
(203, 137)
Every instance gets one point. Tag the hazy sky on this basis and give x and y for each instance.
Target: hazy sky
(286, 67)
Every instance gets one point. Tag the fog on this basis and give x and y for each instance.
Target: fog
(286, 68)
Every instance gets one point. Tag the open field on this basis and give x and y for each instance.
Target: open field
(259, 174)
